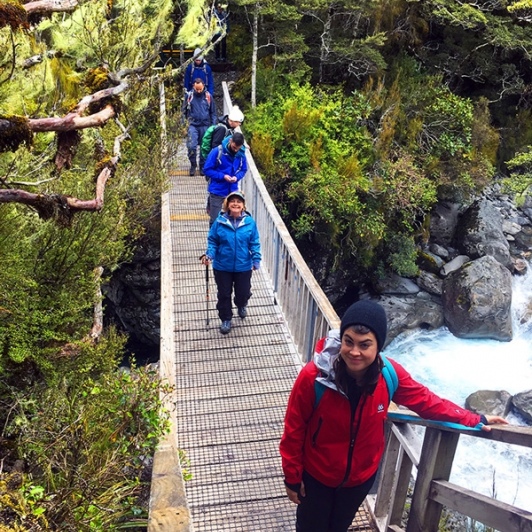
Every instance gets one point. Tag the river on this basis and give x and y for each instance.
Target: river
(454, 368)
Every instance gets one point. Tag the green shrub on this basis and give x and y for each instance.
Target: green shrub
(86, 443)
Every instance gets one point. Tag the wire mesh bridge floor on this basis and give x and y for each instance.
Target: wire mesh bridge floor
(232, 390)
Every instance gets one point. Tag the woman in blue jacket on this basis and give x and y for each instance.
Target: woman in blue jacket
(233, 246)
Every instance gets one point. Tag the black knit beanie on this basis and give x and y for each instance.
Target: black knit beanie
(366, 313)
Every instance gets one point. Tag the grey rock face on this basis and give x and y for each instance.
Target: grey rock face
(489, 402)
(522, 402)
(430, 262)
(439, 250)
(523, 239)
(454, 265)
(479, 233)
(394, 284)
(477, 299)
(443, 221)
(430, 283)
(134, 293)
(410, 313)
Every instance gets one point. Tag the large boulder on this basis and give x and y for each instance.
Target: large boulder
(479, 232)
(477, 298)
(443, 221)
(411, 313)
(522, 402)
(489, 402)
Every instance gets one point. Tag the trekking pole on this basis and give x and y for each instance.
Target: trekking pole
(207, 297)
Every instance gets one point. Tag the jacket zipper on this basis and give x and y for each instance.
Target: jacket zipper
(353, 437)
(316, 432)
(236, 248)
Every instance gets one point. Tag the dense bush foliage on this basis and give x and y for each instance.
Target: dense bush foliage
(358, 173)
(86, 442)
(447, 104)
(76, 434)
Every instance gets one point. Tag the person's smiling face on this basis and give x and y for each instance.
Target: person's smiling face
(235, 206)
(358, 351)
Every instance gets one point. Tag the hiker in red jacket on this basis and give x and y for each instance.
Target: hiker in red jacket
(333, 442)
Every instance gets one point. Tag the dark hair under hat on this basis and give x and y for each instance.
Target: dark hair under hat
(370, 314)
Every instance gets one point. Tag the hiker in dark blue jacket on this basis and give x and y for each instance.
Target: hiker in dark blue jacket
(222, 21)
(199, 69)
(200, 110)
(233, 246)
(225, 166)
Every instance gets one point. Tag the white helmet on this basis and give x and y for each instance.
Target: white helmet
(235, 114)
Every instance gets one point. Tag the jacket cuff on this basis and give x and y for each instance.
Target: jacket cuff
(483, 419)
(293, 487)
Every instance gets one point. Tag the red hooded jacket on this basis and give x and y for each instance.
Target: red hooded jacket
(323, 441)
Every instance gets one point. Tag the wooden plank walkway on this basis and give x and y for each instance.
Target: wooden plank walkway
(231, 390)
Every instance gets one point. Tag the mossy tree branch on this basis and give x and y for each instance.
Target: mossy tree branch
(64, 206)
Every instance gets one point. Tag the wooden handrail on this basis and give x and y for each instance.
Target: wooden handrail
(432, 488)
(308, 312)
(168, 503)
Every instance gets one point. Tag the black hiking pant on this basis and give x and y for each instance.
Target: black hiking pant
(225, 281)
(325, 509)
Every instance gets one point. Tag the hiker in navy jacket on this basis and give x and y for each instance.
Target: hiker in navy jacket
(331, 448)
(233, 246)
(200, 110)
(199, 69)
(225, 166)
(222, 21)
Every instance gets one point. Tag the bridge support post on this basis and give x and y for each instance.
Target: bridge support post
(437, 456)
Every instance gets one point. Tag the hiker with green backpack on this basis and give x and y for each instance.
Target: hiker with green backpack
(333, 438)
(225, 127)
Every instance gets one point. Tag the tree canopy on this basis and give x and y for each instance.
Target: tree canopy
(385, 108)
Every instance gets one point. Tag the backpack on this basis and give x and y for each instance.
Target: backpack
(206, 141)
(388, 372)
(190, 95)
(219, 157)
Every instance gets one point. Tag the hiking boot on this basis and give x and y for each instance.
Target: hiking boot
(243, 311)
(225, 327)
(192, 170)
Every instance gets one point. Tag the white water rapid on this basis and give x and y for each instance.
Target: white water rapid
(455, 368)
